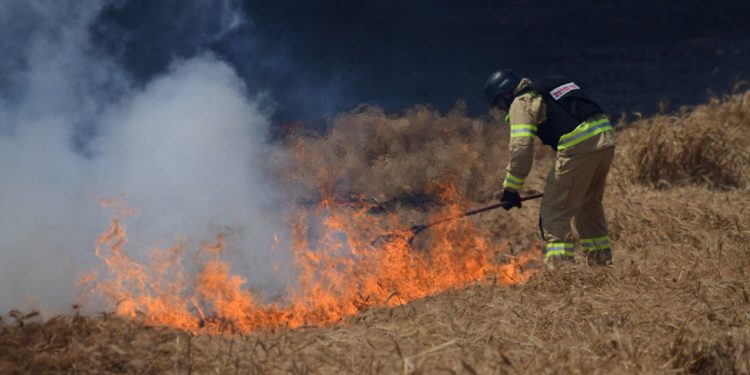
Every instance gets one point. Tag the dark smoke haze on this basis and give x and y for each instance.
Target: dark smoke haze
(321, 57)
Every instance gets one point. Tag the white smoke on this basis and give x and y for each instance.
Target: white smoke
(187, 148)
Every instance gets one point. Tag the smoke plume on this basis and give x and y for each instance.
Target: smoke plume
(186, 148)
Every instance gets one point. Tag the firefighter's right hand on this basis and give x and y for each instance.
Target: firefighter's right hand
(510, 199)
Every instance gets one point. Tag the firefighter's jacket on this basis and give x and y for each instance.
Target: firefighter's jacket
(530, 116)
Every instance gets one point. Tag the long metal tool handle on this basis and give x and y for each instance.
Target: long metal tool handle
(418, 228)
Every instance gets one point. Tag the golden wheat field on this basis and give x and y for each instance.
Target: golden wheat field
(676, 301)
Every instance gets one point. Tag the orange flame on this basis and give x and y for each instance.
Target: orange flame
(350, 266)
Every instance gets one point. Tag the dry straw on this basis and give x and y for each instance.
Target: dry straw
(677, 300)
(706, 145)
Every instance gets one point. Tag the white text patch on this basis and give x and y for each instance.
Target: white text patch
(561, 90)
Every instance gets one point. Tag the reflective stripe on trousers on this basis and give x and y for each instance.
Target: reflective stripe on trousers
(559, 249)
(595, 244)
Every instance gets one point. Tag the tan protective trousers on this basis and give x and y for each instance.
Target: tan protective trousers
(575, 188)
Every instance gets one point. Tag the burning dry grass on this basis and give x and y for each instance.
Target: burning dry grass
(677, 300)
(668, 305)
(346, 267)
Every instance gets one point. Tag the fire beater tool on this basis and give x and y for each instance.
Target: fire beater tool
(416, 229)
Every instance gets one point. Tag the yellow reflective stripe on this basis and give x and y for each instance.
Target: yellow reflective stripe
(513, 182)
(588, 244)
(602, 243)
(594, 244)
(522, 130)
(550, 253)
(559, 248)
(583, 132)
(507, 117)
(512, 185)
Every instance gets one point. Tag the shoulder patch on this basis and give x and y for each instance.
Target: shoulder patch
(559, 91)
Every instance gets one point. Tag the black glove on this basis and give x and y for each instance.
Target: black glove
(510, 199)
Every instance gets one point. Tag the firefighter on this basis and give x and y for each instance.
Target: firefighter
(558, 111)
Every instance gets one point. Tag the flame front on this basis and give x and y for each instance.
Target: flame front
(347, 267)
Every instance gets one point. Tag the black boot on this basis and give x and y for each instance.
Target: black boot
(599, 257)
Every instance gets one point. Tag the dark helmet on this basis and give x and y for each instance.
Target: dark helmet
(500, 86)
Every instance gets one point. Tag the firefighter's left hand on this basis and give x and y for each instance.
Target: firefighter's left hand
(510, 199)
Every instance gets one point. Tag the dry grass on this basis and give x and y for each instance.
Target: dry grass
(677, 300)
(400, 157)
(706, 145)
